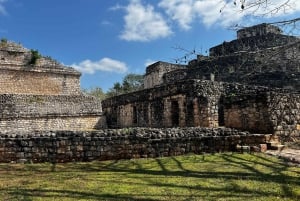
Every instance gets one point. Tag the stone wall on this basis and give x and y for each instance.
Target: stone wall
(38, 93)
(41, 112)
(45, 76)
(14, 106)
(274, 112)
(185, 103)
(261, 56)
(274, 67)
(284, 111)
(249, 112)
(66, 146)
(250, 44)
(57, 122)
(27, 81)
(155, 73)
(190, 103)
(14, 54)
(258, 30)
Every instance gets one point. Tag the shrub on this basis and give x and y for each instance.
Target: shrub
(35, 55)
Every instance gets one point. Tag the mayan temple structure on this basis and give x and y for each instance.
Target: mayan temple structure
(243, 96)
(38, 93)
(251, 83)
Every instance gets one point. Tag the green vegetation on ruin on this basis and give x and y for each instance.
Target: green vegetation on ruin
(224, 176)
(35, 55)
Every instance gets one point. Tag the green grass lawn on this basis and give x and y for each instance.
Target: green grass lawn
(193, 177)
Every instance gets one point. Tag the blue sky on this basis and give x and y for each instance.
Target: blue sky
(107, 39)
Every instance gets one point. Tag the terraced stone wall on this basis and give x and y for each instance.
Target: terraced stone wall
(27, 81)
(39, 112)
(45, 76)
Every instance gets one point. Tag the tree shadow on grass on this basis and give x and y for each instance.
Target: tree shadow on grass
(30, 194)
(251, 173)
(275, 174)
(269, 173)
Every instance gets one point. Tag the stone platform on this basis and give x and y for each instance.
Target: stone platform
(290, 155)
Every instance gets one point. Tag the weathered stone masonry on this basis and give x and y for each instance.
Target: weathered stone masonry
(66, 146)
(271, 112)
(172, 105)
(209, 104)
(46, 77)
(44, 95)
(251, 83)
(39, 112)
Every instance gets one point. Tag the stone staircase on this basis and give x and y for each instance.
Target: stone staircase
(274, 144)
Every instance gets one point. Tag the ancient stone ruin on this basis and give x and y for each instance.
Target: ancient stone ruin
(251, 83)
(246, 93)
(43, 95)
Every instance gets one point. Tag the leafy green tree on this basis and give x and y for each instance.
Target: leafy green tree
(96, 92)
(115, 90)
(131, 82)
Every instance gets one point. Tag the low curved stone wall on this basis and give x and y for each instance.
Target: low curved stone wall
(111, 144)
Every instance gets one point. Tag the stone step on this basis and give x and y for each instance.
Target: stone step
(243, 148)
(252, 148)
(275, 146)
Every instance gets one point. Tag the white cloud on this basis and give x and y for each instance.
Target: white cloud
(185, 12)
(209, 13)
(148, 62)
(105, 64)
(142, 23)
(179, 10)
(116, 7)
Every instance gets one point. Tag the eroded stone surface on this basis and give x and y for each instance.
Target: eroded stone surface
(251, 83)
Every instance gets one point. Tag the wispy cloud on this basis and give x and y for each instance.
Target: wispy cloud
(116, 7)
(185, 12)
(106, 23)
(2, 8)
(143, 23)
(105, 64)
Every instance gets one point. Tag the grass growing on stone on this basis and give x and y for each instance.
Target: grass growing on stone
(194, 177)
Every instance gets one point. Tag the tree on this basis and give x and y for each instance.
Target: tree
(96, 92)
(260, 7)
(115, 90)
(267, 8)
(131, 82)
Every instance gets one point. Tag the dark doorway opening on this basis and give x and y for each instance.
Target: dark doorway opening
(175, 113)
(135, 116)
(221, 118)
